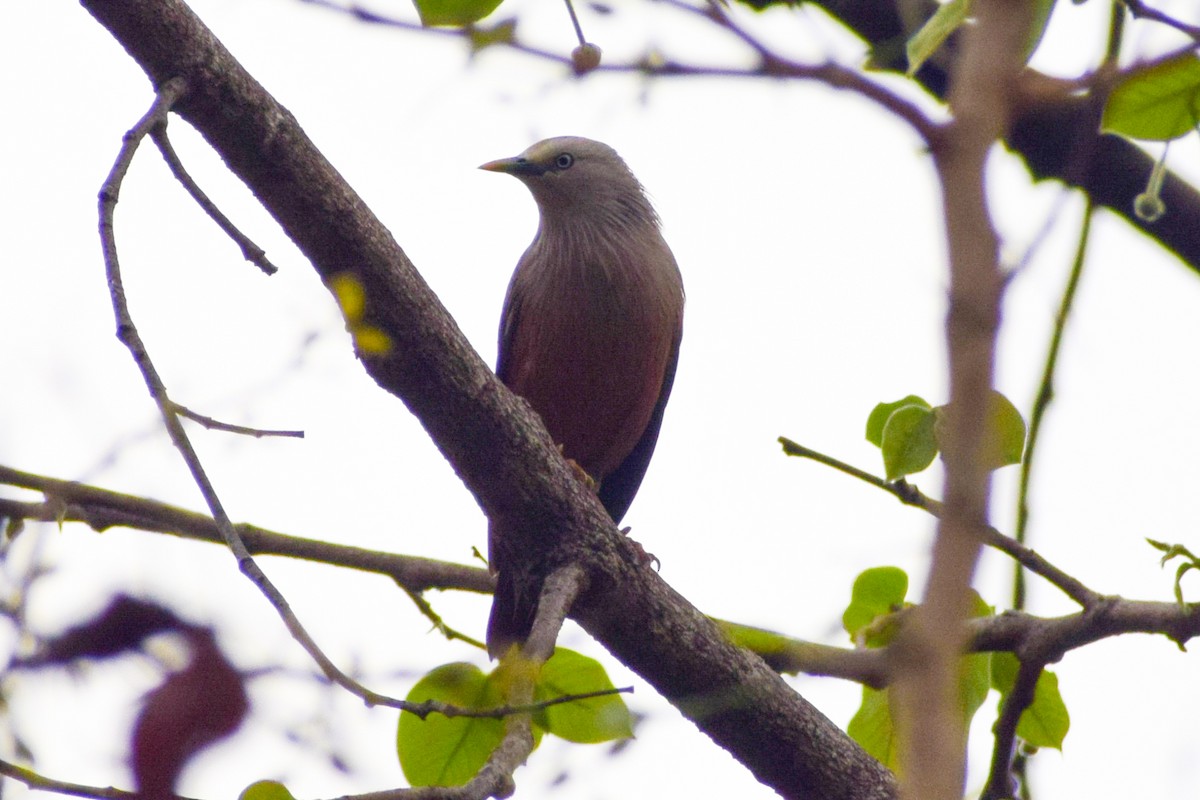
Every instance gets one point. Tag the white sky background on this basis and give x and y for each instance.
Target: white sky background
(806, 223)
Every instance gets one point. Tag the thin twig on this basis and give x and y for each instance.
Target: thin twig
(772, 65)
(250, 251)
(217, 425)
(910, 495)
(558, 593)
(1000, 780)
(36, 780)
(575, 22)
(426, 609)
(1139, 9)
(1045, 394)
(168, 94)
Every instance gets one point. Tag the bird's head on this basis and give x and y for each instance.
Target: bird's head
(575, 178)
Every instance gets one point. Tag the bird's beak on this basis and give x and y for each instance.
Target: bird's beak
(517, 165)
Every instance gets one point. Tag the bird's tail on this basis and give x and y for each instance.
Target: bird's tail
(513, 605)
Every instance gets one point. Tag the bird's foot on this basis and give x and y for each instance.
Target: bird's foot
(642, 556)
(581, 473)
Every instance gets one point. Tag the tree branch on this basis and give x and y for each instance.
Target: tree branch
(492, 440)
(928, 647)
(910, 495)
(100, 509)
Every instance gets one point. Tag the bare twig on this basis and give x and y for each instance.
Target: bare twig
(217, 425)
(1045, 394)
(910, 495)
(101, 509)
(558, 593)
(772, 65)
(1139, 9)
(168, 94)
(426, 609)
(1000, 781)
(35, 780)
(250, 251)
(928, 647)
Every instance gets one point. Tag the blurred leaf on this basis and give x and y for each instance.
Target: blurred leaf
(925, 42)
(909, 443)
(456, 13)
(266, 790)
(1005, 443)
(121, 627)
(974, 681)
(879, 417)
(1042, 9)
(503, 32)
(596, 719)
(873, 729)
(194, 707)
(448, 751)
(877, 592)
(1158, 102)
(873, 726)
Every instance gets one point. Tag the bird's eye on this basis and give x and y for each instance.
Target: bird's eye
(564, 161)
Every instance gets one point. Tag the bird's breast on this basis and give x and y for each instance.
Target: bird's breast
(592, 342)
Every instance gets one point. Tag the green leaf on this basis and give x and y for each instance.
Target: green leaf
(877, 592)
(872, 727)
(974, 677)
(266, 790)
(596, 719)
(453, 12)
(909, 443)
(480, 37)
(448, 751)
(1159, 102)
(1005, 442)
(1042, 9)
(925, 42)
(1045, 722)
(1004, 672)
(881, 412)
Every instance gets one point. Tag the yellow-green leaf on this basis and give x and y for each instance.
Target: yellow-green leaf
(925, 42)
(877, 592)
(909, 444)
(873, 729)
(448, 751)
(456, 13)
(1005, 440)
(1045, 722)
(596, 719)
(1158, 102)
(879, 416)
(266, 790)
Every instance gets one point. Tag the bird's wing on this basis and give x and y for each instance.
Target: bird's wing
(510, 316)
(617, 490)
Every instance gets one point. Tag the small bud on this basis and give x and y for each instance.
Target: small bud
(585, 58)
(1149, 207)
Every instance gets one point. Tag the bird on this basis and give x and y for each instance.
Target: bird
(589, 335)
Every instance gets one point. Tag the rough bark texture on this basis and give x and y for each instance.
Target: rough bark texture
(495, 444)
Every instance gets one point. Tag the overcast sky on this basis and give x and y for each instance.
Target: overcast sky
(806, 225)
